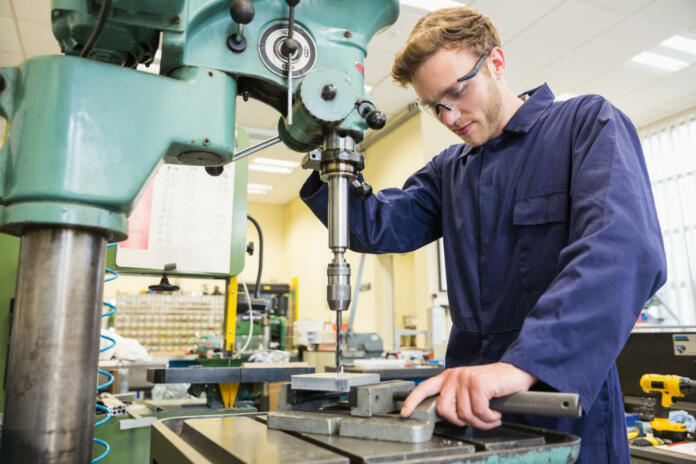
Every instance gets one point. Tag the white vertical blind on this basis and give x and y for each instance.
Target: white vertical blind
(670, 154)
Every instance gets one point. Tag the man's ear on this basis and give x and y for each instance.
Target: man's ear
(497, 62)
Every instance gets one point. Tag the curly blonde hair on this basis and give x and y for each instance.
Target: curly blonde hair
(458, 27)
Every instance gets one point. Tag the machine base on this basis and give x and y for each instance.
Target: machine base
(246, 438)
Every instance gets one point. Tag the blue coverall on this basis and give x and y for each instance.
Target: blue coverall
(552, 246)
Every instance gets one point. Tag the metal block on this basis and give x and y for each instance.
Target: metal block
(331, 382)
(306, 422)
(387, 428)
(305, 400)
(369, 400)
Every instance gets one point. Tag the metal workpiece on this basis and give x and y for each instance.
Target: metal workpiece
(331, 382)
(549, 404)
(387, 429)
(306, 400)
(308, 422)
(203, 375)
(377, 399)
(52, 364)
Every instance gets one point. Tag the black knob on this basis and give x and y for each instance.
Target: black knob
(242, 11)
(2, 83)
(376, 120)
(292, 3)
(214, 170)
(328, 92)
(289, 47)
(363, 191)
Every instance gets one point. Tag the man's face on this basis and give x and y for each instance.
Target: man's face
(475, 104)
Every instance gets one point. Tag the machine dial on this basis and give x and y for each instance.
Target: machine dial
(271, 50)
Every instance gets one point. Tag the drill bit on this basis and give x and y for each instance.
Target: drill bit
(339, 345)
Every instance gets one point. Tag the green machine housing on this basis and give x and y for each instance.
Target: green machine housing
(86, 135)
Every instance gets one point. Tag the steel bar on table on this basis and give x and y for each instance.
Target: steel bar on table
(550, 404)
(201, 375)
(52, 366)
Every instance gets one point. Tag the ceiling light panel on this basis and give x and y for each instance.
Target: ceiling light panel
(275, 162)
(680, 43)
(273, 169)
(659, 62)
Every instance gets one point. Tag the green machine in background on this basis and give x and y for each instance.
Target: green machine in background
(87, 132)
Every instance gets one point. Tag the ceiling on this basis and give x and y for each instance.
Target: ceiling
(577, 46)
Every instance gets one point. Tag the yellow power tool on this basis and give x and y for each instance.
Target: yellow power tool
(667, 387)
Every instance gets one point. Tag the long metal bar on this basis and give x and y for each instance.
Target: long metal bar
(52, 365)
(255, 148)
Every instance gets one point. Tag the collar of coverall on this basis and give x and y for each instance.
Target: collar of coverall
(536, 102)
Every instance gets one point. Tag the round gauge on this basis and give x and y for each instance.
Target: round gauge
(271, 43)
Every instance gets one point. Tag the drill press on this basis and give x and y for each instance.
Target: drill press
(87, 131)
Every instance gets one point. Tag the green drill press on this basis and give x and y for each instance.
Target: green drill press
(87, 131)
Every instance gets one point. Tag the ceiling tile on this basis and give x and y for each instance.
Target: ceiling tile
(676, 13)
(625, 40)
(9, 42)
(524, 59)
(620, 6)
(10, 59)
(618, 82)
(38, 11)
(5, 9)
(511, 17)
(38, 39)
(569, 26)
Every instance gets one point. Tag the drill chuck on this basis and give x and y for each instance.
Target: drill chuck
(338, 290)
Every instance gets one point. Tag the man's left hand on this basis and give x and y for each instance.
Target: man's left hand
(465, 393)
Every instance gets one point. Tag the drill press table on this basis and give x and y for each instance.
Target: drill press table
(246, 439)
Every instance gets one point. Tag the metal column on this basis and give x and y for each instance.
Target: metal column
(51, 372)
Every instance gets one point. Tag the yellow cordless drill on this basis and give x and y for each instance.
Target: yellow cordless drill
(667, 387)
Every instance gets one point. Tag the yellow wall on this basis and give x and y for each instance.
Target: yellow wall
(271, 218)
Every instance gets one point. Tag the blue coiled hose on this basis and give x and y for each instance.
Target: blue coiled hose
(112, 310)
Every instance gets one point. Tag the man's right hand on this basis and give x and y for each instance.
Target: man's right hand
(465, 393)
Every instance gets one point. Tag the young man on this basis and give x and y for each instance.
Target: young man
(552, 242)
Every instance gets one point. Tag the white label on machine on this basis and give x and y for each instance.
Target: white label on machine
(684, 345)
(184, 217)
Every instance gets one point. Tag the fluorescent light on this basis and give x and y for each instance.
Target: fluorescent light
(275, 162)
(661, 62)
(259, 189)
(368, 88)
(564, 97)
(677, 42)
(274, 169)
(431, 5)
(259, 186)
